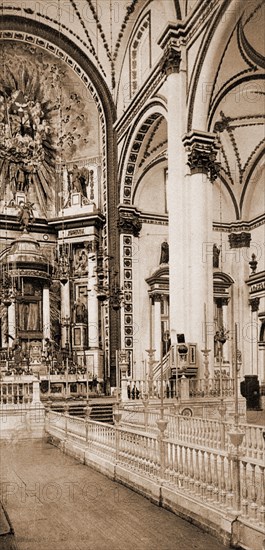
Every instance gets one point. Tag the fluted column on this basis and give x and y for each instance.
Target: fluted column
(201, 159)
(46, 312)
(92, 303)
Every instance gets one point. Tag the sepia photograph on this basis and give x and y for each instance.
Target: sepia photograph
(132, 274)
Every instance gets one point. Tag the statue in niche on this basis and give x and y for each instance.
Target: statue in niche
(79, 180)
(216, 254)
(82, 261)
(25, 214)
(164, 255)
(80, 312)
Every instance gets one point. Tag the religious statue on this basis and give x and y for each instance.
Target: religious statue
(80, 312)
(216, 254)
(79, 180)
(25, 214)
(164, 256)
(81, 261)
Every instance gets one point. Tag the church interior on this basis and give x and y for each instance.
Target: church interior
(132, 198)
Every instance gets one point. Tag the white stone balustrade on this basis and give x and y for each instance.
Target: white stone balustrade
(194, 466)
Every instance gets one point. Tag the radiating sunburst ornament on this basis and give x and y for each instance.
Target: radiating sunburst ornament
(27, 152)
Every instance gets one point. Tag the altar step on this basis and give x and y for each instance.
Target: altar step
(101, 411)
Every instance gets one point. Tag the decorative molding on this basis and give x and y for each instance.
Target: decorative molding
(239, 240)
(202, 152)
(254, 304)
(171, 60)
(139, 101)
(256, 282)
(129, 223)
(135, 150)
(147, 152)
(127, 244)
(240, 226)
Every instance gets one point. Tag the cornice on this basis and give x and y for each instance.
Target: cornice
(256, 282)
(183, 31)
(240, 226)
(78, 221)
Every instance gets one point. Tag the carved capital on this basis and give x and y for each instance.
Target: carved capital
(222, 301)
(254, 304)
(129, 223)
(171, 60)
(202, 151)
(156, 297)
(239, 240)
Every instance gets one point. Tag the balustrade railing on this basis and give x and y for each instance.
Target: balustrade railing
(182, 387)
(16, 393)
(192, 462)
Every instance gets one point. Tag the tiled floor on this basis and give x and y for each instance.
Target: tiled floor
(56, 503)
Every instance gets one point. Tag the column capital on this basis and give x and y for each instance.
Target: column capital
(129, 222)
(202, 149)
(222, 301)
(171, 59)
(239, 240)
(156, 297)
(254, 304)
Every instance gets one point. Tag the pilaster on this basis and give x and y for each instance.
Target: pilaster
(129, 225)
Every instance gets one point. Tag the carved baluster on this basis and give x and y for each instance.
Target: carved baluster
(262, 497)
(255, 442)
(215, 480)
(197, 473)
(176, 465)
(191, 478)
(254, 493)
(222, 484)
(244, 502)
(186, 468)
(229, 484)
(260, 442)
(209, 478)
(203, 475)
(181, 476)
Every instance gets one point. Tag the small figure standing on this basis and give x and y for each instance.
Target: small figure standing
(216, 254)
(164, 256)
(25, 215)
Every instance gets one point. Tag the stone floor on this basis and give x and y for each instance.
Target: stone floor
(56, 503)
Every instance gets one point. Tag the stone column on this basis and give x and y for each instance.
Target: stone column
(237, 264)
(92, 303)
(254, 305)
(173, 68)
(65, 309)
(11, 314)
(157, 325)
(201, 158)
(46, 312)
